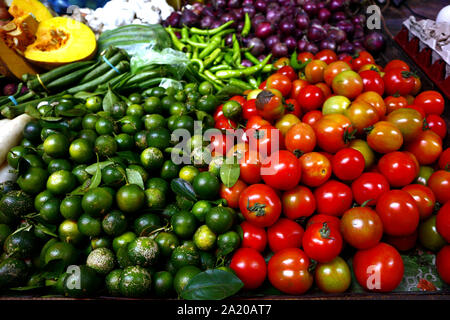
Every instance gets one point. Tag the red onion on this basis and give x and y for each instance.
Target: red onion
(250, 9)
(346, 26)
(271, 41)
(262, 57)
(279, 50)
(246, 63)
(208, 11)
(234, 3)
(256, 45)
(240, 26)
(216, 24)
(310, 8)
(273, 15)
(189, 18)
(324, 15)
(174, 19)
(229, 40)
(337, 35)
(228, 17)
(316, 33)
(336, 5)
(9, 89)
(359, 19)
(219, 4)
(291, 43)
(311, 47)
(346, 47)
(374, 42)
(238, 13)
(358, 34)
(327, 44)
(257, 19)
(338, 16)
(287, 26)
(206, 22)
(247, 3)
(264, 30)
(302, 21)
(301, 45)
(261, 5)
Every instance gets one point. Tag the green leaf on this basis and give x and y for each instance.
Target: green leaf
(75, 112)
(134, 177)
(229, 174)
(50, 230)
(183, 188)
(213, 284)
(81, 190)
(84, 95)
(109, 100)
(32, 112)
(51, 119)
(92, 169)
(97, 178)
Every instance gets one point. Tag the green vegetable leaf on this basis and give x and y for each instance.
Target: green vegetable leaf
(183, 188)
(81, 189)
(84, 95)
(109, 100)
(213, 284)
(32, 112)
(97, 178)
(229, 174)
(92, 169)
(134, 177)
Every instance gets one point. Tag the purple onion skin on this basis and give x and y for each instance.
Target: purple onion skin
(338, 16)
(302, 21)
(346, 26)
(229, 40)
(219, 4)
(274, 16)
(324, 15)
(257, 46)
(261, 5)
(279, 50)
(301, 45)
(228, 17)
(342, 56)
(358, 34)
(239, 13)
(250, 10)
(257, 19)
(310, 8)
(287, 26)
(247, 3)
(263, 30)
(261, 57)
(336, 5)
(359, 20)
(9, 89)
(216, 24)
(316, 33)
(327, 44)
(208, 11)
(240, 26)
(346, 47)
(374, 42)
(189, 18)
(337, 36)
(271, 41)
(246, 63)
(174, 19)
(290, 43)
(206, 22)
(234, 3)
(311, 47)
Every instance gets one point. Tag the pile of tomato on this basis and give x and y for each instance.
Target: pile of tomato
(361, 171)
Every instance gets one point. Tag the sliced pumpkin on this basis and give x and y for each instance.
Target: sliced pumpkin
(60, 41)
(20, 32)
(13, 64)
(21, 8)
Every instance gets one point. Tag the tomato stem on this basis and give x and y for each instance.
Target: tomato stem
(258, 208)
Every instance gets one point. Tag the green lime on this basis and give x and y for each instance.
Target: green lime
(42, 198)
(188, 173)
(102, 260)
(68, 232)
(135, 282)
(83, 281)
(59, 164)
(89, 226)
(118, 110)
(124, 141)
(207, 103)
(207, 260)
(169, 170)
(61, 182)
(184, 122)
(152, 105)
(33, 180)
(152, 158)
(32, 131)
(46, 132)
(112, 282)
(206, 186)
(97, 201)
(184, 224)
(158, 138)
(80, 173)
(61, 251)
(170, 91)
(113, 175)
(180, 96)
(191, 87)
(167, 102)
(204, 238)
(16, 203)
(153, 121)
(89, 135)
(183, 203)
(81, 151)
(158, 183)
(105, 146)
(114, 223)
(34, 160)
(71, 207)
(146, 223)
(56, 145)
(5, 231)
(205, 88)
(123, 240)
(101, 242)
(200, 209)
(13, 272)
(143, 251)
(135, 110)
(14, 155)
(170, 210)
(183, 276)
(131, 124)
(50, 211)
(140, 139)
(74, 124)
(122, 257)
(144, 174)
(130, 198)
(27, 143)
(167, 242)
(178, 109)
(93, 104)
(219, 219)
(104, 126)
(232, 109)
(163, 284)
(228, 242)
(171, 121)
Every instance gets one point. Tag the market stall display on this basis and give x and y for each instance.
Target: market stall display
(184, 164)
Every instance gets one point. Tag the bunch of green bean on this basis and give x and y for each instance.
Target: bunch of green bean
(214, 61)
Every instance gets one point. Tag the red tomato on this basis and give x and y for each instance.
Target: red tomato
(332, 221)
(265, 140)
(436, 124)
(443, 263)
(361, 227)
(362, 115)
(431, 101)
(369, 186)
(328, 56)
(419, 109)
(375, 100)
(379, 268)
(333, 69)
(417, 86)
(289, 72)
(256, 122)
(297, 86)
(348, 84)
(240, 99)
(398, 212)
(312, 117)
(300, 138)
(348, 164)
(372, 81)
(218, 114)
(362, 58)
(279, 82)
(282, 170)
(250, 266)
(305, 56)
(427, 147)
(322, 242)
(249, 109)
(314, 71)
(223, 124)
(250, 167)
(310, 98)
(398, 81)
(232, 194)
(325, 89)
(293, 107)
(253, 237)
(444, 159)
(333, 132)
(263, 85)
(439, 182)
(396, 64)
(408, 121)
(284, 234)
(398, 167)
(288, 271)
(384, 137)
(298, 202)
(424, 198)
(260, 205)
(395, 102)
(333, 198)
(443, 221)
(316, 169)
(220, 144)
(403, 243)
(269, 104)
(333, 277)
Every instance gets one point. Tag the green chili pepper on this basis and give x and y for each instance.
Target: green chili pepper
(239, 83)
(211, 76)
(223, 33)
(236, 51)
(227, 74)
(251, 58)
(196, 44)
(210, 59)
(219, 58)
(268, 68)
(294, 62)
(253, 82)
(228, 57)
(219, 67)
(216, 85)
(200, 64)
(247, 26)
(211, 32)
(184, 34)
(215, 42)
(176, 42)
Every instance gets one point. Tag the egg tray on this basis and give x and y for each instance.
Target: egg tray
(436, 70)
